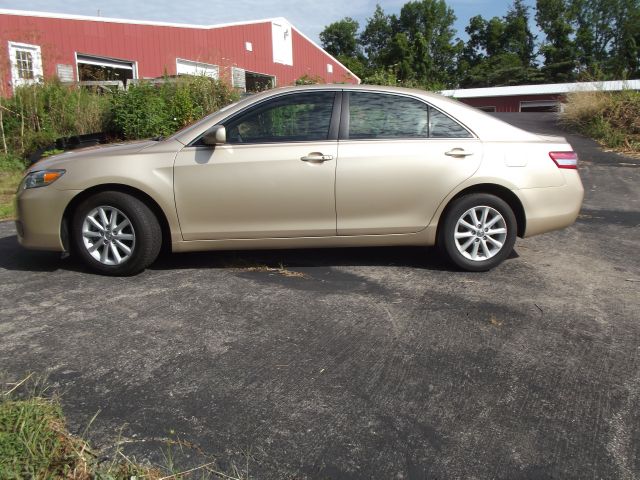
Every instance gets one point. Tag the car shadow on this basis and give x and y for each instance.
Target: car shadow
(14, 257)
(415, 257)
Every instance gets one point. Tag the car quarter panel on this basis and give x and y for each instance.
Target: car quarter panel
(551, 197)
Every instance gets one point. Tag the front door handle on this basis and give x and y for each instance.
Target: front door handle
(316, 157)
(458, 152)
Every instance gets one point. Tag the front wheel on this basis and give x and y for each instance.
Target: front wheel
(479, 232)
(115, 233)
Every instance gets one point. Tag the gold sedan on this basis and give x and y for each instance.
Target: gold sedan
(314, 166)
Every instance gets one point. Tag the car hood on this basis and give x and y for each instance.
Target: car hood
(113, 150)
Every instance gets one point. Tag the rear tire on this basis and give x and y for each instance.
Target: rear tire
(115, 233)
(479, 232)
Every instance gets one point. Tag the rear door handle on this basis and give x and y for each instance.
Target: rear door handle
(316, 157)
(458, 152)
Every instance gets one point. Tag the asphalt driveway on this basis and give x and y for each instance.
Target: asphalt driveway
(365, 363)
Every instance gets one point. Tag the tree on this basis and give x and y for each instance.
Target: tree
(558, 49)
(376, 37)
(595, 20)
(428, 25)
(340, 38)
(518, 38)
(607, 36)
(500, 51)
(625, 48)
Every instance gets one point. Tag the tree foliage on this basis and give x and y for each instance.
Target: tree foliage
(579, 39)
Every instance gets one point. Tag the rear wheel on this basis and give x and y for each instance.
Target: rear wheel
(479, 232)
(115, 233)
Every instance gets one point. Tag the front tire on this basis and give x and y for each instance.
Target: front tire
(115, 233)
(479, 232)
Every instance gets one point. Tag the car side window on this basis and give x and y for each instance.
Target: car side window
(380, 116)
(441, 126)
(290, 118)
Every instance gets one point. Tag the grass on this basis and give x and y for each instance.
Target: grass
(9, 181)
(611, 118)
(35, 443)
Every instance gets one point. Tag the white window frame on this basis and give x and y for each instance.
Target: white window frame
(36, 63)
(204, 66)
(100, 61)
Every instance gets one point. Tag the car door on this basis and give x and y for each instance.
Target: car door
(273, 178)
(398, 159)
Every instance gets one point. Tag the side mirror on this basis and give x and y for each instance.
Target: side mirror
(216, 135)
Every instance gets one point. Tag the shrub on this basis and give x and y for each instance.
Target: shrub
(147, 110)
(140, 112)
(38, 114)
(307, 79)
(613, 118)
(11, 163)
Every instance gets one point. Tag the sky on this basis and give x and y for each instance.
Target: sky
(308, 16)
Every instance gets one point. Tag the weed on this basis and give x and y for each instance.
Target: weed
(9, 181)
(35, 443)
(281, 269)
(611, 118)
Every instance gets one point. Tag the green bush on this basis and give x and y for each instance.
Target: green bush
(147, 110)
(39, 114)
(11, 163)
(140, 112)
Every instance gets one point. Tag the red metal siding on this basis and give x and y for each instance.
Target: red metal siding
(156, 47)
(507, 104)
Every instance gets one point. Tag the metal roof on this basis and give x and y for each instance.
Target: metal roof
(544, 89)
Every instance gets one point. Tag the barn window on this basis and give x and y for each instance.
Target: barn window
(540, 106)
(251, 81)
(93, 68)
(26, 63)
(189, 67)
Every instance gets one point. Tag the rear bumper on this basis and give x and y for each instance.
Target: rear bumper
(552, 208)
(39, 217)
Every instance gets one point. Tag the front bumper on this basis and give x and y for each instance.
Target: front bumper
(39, 217)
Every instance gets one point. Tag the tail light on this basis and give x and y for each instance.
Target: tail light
(565, 159)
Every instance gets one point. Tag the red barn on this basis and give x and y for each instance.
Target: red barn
(249, 55)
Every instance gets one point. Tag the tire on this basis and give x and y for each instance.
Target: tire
(130, 242)
(478, 249)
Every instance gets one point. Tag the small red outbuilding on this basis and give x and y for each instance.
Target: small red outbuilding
(547, 97)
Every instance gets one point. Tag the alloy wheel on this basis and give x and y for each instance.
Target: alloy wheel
(480, 233)
(108, 235)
